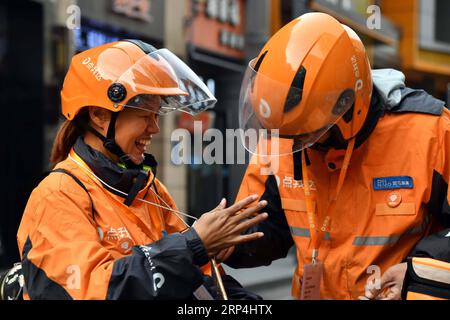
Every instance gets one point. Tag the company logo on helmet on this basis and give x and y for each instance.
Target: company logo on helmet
(359, 83)
(92, 67)
(264, 109)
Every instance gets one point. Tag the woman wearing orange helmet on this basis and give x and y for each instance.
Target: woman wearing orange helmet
(359, 163)
(101, 226)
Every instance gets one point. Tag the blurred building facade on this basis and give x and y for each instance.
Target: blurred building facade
(217, 38)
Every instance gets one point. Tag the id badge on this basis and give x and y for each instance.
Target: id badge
(312, 276)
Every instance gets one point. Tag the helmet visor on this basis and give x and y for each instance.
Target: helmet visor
(146, 102)
(275, 118)
(164, 74)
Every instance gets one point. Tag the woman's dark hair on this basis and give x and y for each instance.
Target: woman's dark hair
(66, 137)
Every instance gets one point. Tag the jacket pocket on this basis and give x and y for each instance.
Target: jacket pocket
(403, 209)
(295, 205)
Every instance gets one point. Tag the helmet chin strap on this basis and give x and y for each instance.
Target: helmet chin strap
(109, 141)
(110, 144)
(336, 139)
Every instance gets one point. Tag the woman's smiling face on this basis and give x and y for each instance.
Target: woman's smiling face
(135, 127)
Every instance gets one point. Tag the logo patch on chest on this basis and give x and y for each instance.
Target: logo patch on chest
(291, 183)
(121, 237)
(397, 182)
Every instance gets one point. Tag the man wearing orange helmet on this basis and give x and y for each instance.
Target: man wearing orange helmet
(359, 164)
(101, 226)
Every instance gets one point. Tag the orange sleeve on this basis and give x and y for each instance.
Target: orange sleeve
(253, 182)
(444, 167)
(277, 239)
(61, 252)
(445, 149)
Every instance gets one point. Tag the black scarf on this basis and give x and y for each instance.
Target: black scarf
(110, 172)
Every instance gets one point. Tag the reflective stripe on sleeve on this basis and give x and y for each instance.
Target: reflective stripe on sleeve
(304, 232)
(375, 241)
(387, 240)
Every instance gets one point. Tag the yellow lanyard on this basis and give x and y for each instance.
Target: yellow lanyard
(315, 233)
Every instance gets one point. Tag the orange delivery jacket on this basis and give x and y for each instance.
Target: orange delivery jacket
(395, 193)
(87, 244)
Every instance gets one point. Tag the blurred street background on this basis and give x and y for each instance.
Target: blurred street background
(217, 38)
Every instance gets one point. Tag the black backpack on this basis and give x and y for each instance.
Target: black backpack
(11, 283)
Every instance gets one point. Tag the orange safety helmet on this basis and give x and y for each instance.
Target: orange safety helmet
(312, 74)
(116, 75)
(108, 75)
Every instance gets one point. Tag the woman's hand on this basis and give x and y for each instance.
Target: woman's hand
(224, 254)
(221, 228)
(391, 284)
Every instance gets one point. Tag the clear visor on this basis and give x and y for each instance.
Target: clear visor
(164, 74)
(148, 103)
(275, 121)
(151, 103)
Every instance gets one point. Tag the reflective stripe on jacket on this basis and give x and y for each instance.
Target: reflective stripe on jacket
(395, 193)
